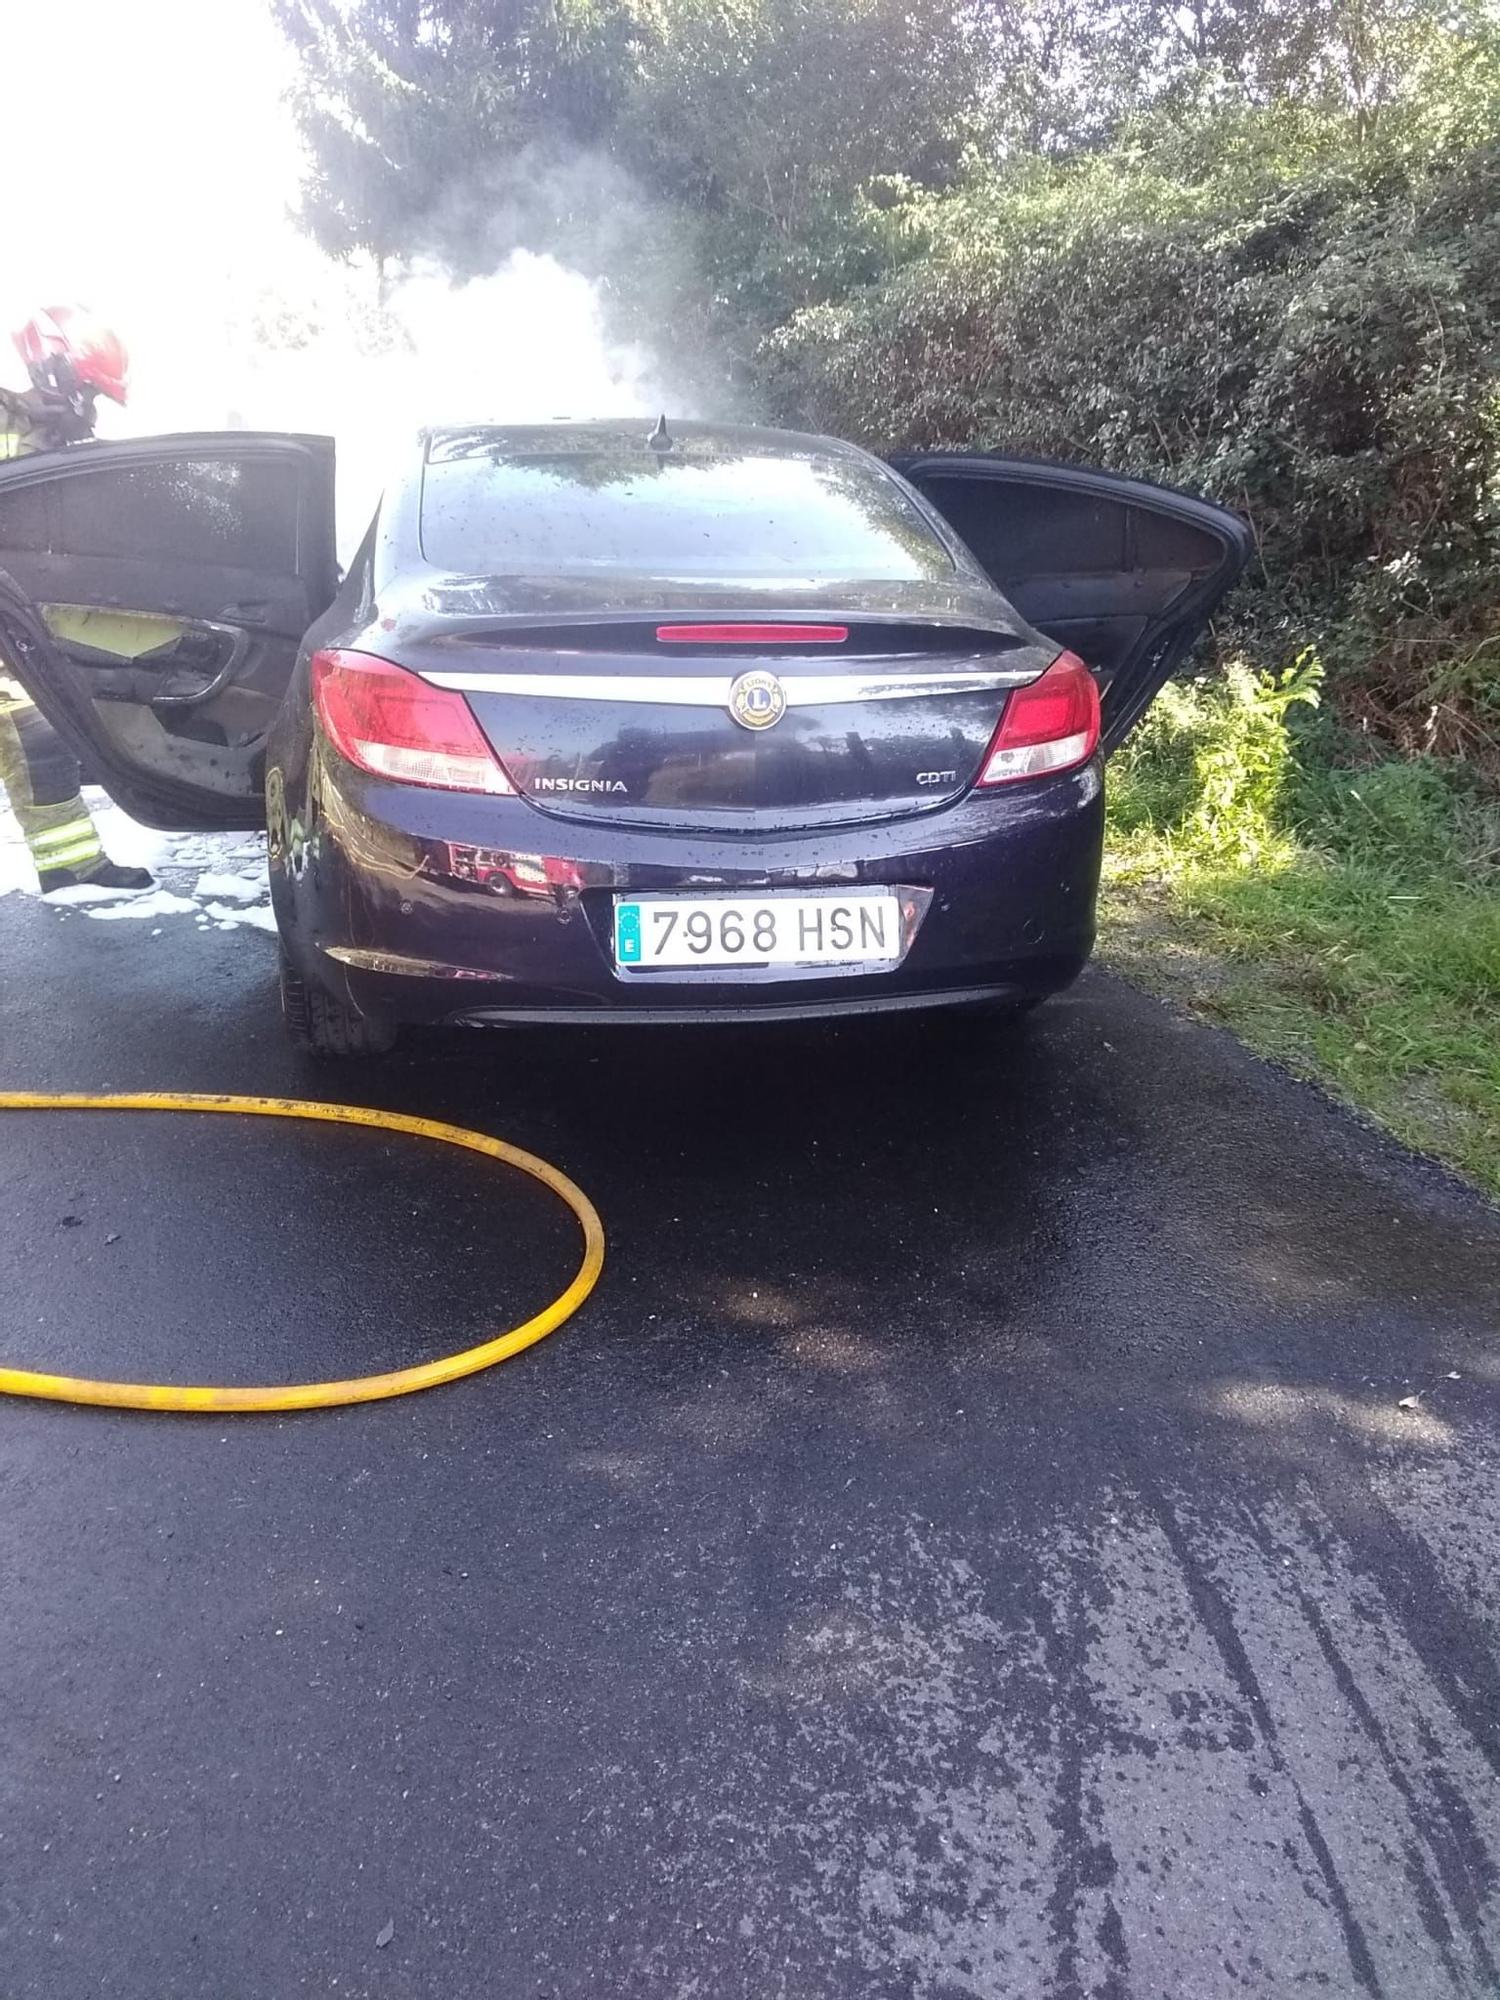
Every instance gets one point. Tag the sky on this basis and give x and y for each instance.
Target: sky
(148, 163)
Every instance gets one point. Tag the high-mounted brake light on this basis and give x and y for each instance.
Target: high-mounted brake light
(394, 724)
(752, 635)
(1052, 724)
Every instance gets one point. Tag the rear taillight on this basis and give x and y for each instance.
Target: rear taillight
(1050, 725)
(396, 725)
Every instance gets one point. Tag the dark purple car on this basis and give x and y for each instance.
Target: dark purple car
(606, 725)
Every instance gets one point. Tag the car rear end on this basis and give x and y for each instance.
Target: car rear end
(729, 730)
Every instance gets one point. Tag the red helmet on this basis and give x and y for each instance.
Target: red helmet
(72, 336)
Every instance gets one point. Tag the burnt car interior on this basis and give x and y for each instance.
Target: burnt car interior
(172, 594)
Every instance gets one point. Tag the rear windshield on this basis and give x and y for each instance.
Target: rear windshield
(698, 511)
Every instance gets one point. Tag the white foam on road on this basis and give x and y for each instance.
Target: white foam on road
(216, 879)
(260, 918)
(148, 903)
(238, 888)
(86, 892)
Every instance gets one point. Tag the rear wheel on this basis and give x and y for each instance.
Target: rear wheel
(321, 1025)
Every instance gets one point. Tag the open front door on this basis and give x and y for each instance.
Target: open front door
(153, 597)
(1123, 573)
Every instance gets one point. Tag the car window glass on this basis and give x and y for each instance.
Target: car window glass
(1018, 528)
(26, 518)
(1162, 542)
(238, 513)
(699, 512)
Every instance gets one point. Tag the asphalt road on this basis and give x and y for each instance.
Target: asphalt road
(969, 1546)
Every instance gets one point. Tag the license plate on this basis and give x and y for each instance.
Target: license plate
(860, 928)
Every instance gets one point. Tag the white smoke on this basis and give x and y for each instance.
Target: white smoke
(148, 166)
(148, 190)
(527, 345)
(331, 354)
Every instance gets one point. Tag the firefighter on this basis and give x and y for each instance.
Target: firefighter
(72, 360)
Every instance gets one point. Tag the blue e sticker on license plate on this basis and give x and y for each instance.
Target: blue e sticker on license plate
(627, 933)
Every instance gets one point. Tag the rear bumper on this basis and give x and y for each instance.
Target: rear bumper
(419, 906)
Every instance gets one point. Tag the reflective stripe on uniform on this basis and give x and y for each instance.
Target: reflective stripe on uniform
(79, 860)
(66, 835)
(40, 778)
(75, 845)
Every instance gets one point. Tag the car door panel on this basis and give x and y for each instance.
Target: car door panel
(153, 602)
(1124, 573)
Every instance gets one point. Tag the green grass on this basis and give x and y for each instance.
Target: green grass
(1343, 921)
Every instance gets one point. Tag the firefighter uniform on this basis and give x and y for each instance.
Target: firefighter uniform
(39, 773)
(40, 776)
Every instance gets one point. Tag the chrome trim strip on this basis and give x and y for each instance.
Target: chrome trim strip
(397, 962)
(712, 690)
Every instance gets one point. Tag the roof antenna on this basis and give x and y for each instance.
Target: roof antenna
(661, 438)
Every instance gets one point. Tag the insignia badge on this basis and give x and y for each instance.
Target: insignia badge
(757, 700)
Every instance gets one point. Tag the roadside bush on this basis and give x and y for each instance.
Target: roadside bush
(1208, 768)
(1339, 911)
(1232, 766)
(1287, 314)
(1418, 815)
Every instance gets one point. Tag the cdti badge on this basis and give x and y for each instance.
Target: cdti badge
(756, 700)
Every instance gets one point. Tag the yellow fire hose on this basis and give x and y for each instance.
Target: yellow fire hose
(319, 1395)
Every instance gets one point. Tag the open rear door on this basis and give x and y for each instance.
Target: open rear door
(1123, 573)
(153, 597)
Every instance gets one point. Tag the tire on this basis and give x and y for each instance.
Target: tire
(322, 1026)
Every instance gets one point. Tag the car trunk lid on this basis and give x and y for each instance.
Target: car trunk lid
(773, 720)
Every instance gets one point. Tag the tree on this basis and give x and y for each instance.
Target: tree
(403, 102)
(1273, 308)
(1072, 72)
(759, 117)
